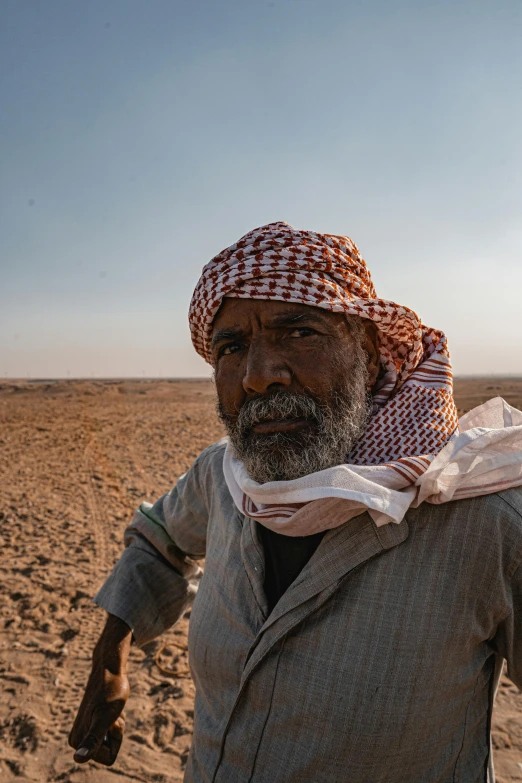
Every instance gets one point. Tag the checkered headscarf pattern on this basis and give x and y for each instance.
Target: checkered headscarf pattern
(414, 411)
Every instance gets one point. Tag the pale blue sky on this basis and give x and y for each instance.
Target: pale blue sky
(137, 139)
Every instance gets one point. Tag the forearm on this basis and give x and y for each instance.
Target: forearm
(113, 647)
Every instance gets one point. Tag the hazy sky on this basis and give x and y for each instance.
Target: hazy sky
(137, 139)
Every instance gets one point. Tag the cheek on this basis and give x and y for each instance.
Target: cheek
(313, 372)
(229, 388)
(322, 371)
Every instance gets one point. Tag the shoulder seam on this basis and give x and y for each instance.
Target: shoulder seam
(507, 502)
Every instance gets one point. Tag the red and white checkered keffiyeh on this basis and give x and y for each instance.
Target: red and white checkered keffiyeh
(414, 414)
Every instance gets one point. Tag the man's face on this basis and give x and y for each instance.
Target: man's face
(292, 383)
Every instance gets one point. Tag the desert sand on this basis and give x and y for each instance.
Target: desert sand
(76, 458)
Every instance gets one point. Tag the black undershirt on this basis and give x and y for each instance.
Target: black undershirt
(285, 558)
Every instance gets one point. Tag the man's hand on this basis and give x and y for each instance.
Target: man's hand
(98, 729)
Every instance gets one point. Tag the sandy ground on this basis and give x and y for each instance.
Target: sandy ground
(75, 460)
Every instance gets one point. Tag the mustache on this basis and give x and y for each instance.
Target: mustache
(276, 406)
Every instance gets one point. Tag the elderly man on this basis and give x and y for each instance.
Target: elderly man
(363, 575)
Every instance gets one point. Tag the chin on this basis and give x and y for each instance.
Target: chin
(282, 441)
(266, 460)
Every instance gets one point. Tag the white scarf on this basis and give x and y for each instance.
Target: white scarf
(483, 456)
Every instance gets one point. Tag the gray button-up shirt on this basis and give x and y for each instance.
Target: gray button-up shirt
(377, 665)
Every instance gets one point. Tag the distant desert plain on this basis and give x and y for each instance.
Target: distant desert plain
(76, 458)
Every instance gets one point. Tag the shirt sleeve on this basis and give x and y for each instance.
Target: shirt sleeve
(155, 579)
(508, 639)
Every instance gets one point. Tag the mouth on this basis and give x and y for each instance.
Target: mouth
(270, 426)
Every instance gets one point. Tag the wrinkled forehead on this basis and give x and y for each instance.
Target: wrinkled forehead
(267, 312)
(235, 307)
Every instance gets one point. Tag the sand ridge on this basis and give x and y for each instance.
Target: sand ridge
(76, 458)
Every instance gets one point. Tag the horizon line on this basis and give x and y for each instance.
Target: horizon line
(170, 378)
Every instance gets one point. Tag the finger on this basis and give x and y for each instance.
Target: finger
(89, 747)
(84, 714)
(80, 725)
(103, 719)
(111, 744)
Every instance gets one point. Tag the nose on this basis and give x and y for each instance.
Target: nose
(265, 369)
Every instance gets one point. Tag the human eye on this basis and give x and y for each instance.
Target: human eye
(301, 331)
(228, 349)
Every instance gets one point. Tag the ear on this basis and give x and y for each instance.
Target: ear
(371, 346)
